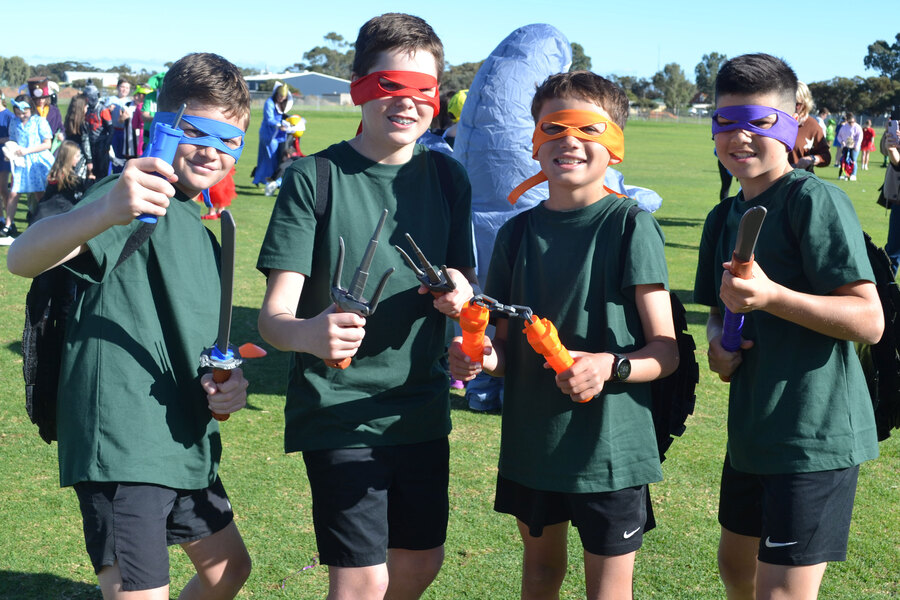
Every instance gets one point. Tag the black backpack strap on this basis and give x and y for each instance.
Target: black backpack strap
(323, 186)
(515, 239)
(135, 241)
(442, 165)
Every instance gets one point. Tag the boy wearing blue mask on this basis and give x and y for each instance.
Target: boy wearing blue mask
(136, 435)
(800, 421)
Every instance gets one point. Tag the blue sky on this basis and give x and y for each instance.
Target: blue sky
(635, 37)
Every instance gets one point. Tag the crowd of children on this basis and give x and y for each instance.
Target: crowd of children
(577, 445)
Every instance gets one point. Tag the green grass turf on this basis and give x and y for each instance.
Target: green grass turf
(41, 548)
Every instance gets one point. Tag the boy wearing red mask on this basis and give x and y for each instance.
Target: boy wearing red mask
(373, 435)
(579, 446)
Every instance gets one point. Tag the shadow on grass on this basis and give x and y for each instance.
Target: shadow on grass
(38, 586)
(681, 222)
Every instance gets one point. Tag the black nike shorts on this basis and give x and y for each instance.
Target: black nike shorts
(609, 523)
(799, 518)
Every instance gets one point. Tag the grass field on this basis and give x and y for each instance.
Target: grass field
(41, 547)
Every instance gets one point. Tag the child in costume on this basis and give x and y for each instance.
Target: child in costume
(868, 145)
(800, 419)
(32, 134)
(136, 436)
(386, 417)
(579, 446)
(272, 135)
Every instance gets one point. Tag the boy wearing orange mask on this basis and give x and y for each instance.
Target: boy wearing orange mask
(373, 435)
(579, 446)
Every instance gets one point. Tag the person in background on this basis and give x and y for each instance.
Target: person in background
(41, 90)
(32, 134)
(838, 150)
(811, 147)
(122, 112)
(6, 117)
(137, 121)
(821, 119)
(99, 123)
(272, 134)
(850, 138)
(77, 131)
(867, 146)
(64, 183)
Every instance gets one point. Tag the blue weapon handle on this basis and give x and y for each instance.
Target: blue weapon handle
(165, 144)
(732, 324)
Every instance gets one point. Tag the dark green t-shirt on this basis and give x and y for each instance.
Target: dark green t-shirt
(569, 268)
(394, 391)
(130, 403)
(798, 402)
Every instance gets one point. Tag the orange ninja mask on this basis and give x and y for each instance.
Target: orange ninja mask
(581, 124)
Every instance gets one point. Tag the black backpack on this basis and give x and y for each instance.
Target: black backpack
(881, 361)
(53, 294)
(673, 396)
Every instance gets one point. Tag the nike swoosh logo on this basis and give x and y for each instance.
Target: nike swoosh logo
(628, 534)
(771, 544)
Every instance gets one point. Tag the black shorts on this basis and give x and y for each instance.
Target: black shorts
(800, 518)
(134, 523)
(366, 500)
(609, 523)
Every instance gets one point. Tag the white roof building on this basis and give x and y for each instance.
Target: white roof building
(99, 79)
(307, 82)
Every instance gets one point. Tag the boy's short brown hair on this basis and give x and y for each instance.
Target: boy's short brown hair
(395, 31)
(750, 74)
(207, 79)
(583, 85)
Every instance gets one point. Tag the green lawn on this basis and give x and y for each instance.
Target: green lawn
(41, 548)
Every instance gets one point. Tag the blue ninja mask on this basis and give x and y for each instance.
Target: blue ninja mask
(216, 133)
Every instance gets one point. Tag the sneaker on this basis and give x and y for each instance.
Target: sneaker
(456, 384)
(9, 230)
(853, 178)
(842, 178)
(209, 217)
(271, 188)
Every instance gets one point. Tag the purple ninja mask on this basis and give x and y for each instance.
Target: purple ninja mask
(784, 129)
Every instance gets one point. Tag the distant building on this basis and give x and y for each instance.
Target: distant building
(100, 79)
(308, 83)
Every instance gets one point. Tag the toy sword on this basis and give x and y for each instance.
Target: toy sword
(742, 266)
(223, 357)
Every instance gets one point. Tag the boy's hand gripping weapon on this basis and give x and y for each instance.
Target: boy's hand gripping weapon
(223, 357)
(165, 144)
(437, 282)
(742, 266)
(541, 333)
(351, 299)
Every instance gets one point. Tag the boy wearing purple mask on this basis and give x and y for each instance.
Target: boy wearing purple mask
(800, 420)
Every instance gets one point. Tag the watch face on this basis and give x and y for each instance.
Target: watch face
(623, 369)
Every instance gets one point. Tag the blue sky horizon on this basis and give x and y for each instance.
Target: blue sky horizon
(820, 41)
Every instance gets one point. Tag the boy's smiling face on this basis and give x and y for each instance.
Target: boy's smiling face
(756, 160)
(392, 124)
(570, 163)
(200, 167)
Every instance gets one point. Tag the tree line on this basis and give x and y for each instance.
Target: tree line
(670, 86)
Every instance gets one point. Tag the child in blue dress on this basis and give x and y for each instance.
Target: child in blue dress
(32, 133)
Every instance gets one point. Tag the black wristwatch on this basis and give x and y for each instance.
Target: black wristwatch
(621, 367)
